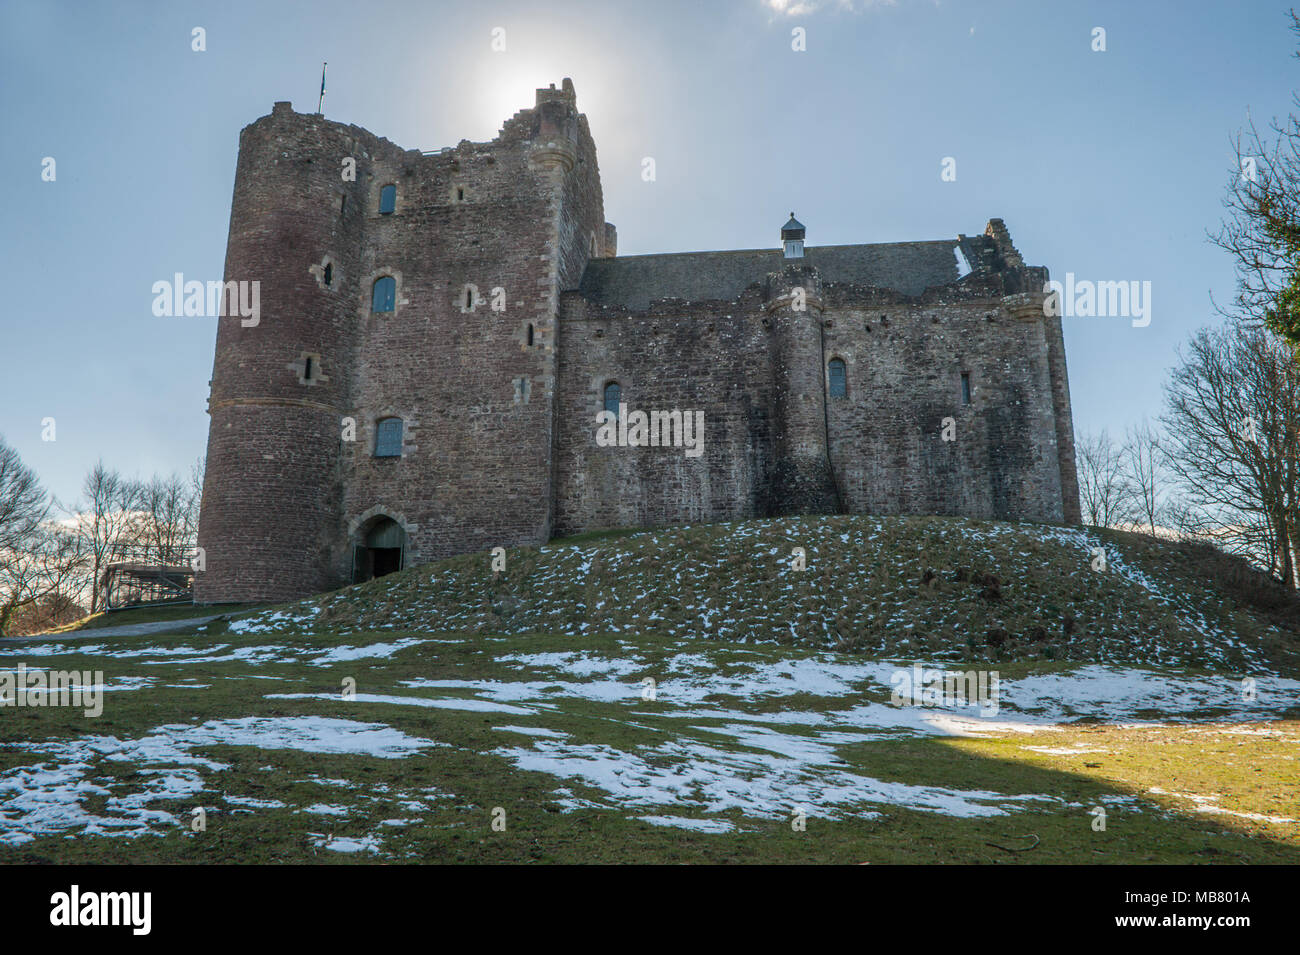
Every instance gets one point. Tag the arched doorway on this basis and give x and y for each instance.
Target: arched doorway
(382, 550)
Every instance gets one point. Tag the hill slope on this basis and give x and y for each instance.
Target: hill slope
(944, 588)
(623, 701)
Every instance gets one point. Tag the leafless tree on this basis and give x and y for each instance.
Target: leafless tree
(194, 497)
(1104, 491)
(23, 502)
(161, 530)
(106, 522)
(1233, 437)
(43, 575)
(38, 557)
(1144, 473)
(1262, 227)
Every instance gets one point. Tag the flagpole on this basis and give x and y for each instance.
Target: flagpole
(320, 105)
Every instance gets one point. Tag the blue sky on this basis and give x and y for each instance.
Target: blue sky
(1110, 165)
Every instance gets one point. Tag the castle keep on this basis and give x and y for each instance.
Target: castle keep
(439, 332)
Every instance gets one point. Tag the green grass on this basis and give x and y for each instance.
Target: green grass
(865, 590)
(487, 631)
(457, 785)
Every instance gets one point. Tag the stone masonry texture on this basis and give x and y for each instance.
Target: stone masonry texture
(513, 313)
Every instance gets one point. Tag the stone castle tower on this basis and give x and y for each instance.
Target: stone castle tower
(439, 332)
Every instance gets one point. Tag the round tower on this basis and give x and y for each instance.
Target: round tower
(800, 481)
(269, 525)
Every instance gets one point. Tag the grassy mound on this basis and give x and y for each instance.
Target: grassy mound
(947, 589)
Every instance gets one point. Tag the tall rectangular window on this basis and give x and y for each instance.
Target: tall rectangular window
(965, 387)
(388, 438)
(383, 295)
(387, 200)
(613, 395)
(839, 379)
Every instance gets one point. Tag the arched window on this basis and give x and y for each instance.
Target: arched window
(388, 438)
(387, 200)
(839, 381)
(613, 394)
(384, 296)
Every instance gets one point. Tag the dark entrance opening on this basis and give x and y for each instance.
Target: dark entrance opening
(383, 551)
(385, 560)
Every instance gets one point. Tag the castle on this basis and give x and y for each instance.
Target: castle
(440, 332)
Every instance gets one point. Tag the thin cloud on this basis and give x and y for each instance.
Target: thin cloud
(800, 8)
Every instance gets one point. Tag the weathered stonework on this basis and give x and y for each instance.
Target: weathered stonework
(512, 314)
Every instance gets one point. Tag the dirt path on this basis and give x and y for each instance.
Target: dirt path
(127, 630)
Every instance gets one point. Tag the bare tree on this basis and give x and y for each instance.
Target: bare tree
(1262, 228)
(106, 523)
(1104, 491)
(1233, 427)
(194, 498)
(1144, 473)
(162, 530)
(24, 504)
(38, 557)
(41, 577)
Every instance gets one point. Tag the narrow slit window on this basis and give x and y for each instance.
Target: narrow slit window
(387, 200)
(613, 395)
(388, 438)
(530, 333)
(308, 369)
(460, 195)
(965, 387)
(384, 296)
(469, 298)
(329, 274)
(839, 378)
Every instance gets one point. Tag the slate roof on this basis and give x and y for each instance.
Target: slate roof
(633, 281)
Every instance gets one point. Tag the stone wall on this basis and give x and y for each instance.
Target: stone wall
(763, 388)
(498, 372)
(287, 497)
(703, 356)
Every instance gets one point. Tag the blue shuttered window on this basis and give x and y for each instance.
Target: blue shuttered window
(388, 438)
(384, 296)
(839, 380)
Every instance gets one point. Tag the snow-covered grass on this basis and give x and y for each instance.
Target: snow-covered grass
(631, 732)
(878, 586)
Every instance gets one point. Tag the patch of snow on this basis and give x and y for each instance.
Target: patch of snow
(345, 843)
(696, 825)
(48, 797)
